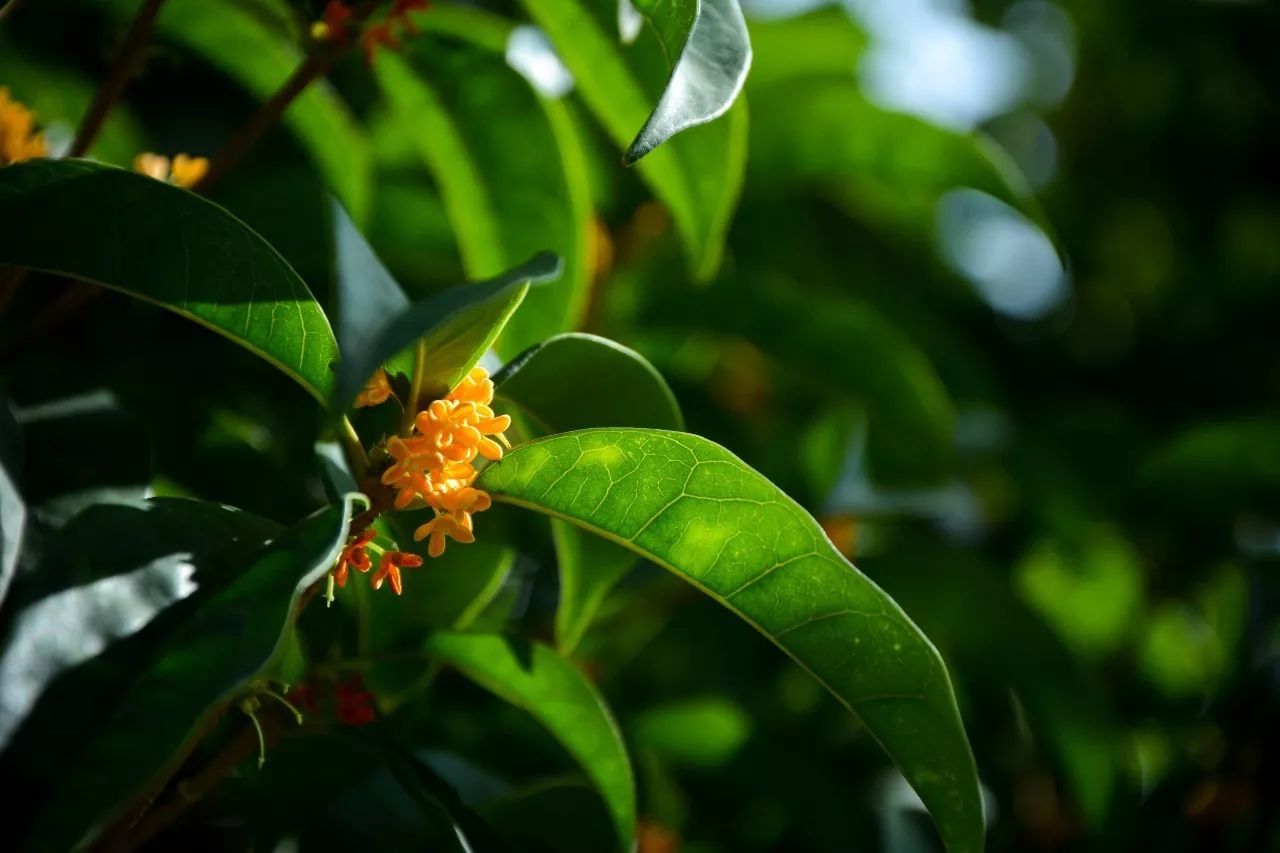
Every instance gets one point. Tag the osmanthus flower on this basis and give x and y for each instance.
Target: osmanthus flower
(19, 139)
(376, 391)
(434, 467)
(356, 556)
(389, 569)
(183, 171)
(333, 24)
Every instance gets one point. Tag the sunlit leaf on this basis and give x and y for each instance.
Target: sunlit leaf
(697, 175)
(456, 326)
(165, 245)
(708, 42)
(694, 508)
(560, 697)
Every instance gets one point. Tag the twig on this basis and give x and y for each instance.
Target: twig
(415, 388)
(313, 67)
(8, 9)
(189, 791)
(356, 456)
(109, 92)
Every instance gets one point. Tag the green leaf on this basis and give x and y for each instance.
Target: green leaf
(366, 293)
(219, 650)
(577, 380)
(560, 697)
(170, 247)
(260, 57)
(713, 52)
(697, 176)
(460, 106)
(589, 568)
(457, 326)
(971, 611)
(694, 508)
(546, 384)
(564, 815)
(450, 591)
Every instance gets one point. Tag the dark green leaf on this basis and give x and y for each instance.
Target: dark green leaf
(577, 380)
(556, 816)
(546, 385)
(367, 294)
(461, 106)
(708, 41)
(696, 509)
(560, 697)
(219, 650)
(698, 175)
(167, 246)
(456, 325)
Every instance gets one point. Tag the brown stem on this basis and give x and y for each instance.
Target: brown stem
(109, 92)
(8, 9)
(191, 790)
(251, 132)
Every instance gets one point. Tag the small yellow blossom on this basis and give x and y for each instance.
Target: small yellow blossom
(376, 391)
(435, 466)
(183, 172)
(18, 137)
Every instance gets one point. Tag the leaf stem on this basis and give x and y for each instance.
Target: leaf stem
(357, 458)
(316, 65)
(109, 92)
(415, 388)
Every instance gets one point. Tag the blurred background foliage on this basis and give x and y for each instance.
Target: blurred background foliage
(989, 287)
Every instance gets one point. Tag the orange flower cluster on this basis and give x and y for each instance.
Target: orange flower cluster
(18, 137)
(183, 172)
(434, 467)
(335, 25)
(354, 556)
